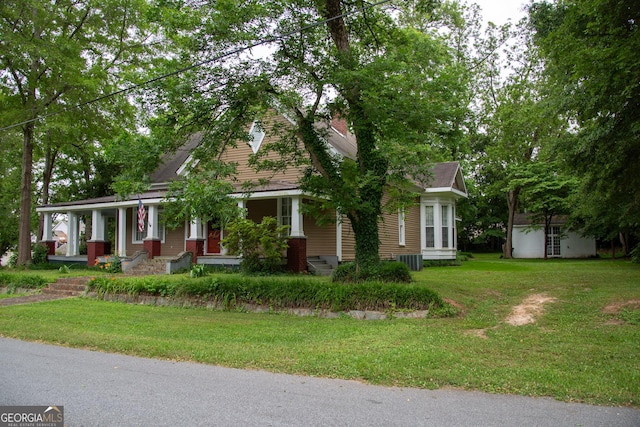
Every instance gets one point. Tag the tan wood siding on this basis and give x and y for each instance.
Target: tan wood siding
(258, 209)
(412, 230)
(241, 154)
(389, 236)
(173, 242)
(173, 239)
(320, 240)
(348, 241)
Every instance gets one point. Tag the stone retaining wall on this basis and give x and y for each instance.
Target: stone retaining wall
(256, 308)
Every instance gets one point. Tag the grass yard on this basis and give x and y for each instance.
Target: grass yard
(583, 346)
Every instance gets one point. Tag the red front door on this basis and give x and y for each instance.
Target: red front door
(213, 239)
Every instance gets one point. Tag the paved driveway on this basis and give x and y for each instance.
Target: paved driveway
(101, 389)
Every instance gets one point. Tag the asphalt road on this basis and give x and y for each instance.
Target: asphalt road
(101, 389)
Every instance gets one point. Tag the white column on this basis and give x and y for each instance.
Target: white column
(437, 224)
(152, 222)
(97, 225)
(122, 232)
(47, 227)
(242, 205)
(296, 218)
(195, 229)
(73, 234)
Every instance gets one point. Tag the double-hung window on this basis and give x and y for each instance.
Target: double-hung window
(139, 236)
(430, 231)
(401, 228)
(445, 226)
(284, 216)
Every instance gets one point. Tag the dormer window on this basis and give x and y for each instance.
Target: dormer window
(256, 135)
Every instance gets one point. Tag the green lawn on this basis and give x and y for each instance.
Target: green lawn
(574, 351)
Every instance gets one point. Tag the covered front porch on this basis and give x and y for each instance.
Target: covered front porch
(114, 227)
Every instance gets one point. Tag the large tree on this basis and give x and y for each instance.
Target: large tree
(54, 56)
(590, 48)
(9, 181)
(400, 89)
(516, 120)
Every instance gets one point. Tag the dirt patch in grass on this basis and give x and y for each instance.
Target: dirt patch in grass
(480, 333)
(459, 307)
(529, 310)
(623, 312)
(617, 307)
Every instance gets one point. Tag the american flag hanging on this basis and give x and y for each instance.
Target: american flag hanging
(142, 214)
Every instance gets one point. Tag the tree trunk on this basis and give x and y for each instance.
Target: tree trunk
(512, 203)
(24, 230)
(50, 159)
(364, 218)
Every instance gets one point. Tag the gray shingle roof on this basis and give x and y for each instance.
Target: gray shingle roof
(170, 164)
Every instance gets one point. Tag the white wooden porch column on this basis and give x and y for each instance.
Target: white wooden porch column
(122, 232)
(73, 234)
(47, 227)
(195, 229)
(297, 220)
(152, 221)
(97, 225)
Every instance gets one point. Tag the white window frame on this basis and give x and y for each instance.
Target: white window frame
(401, 228)
(256, 135)
(429, 225)
(136, 234)
(445, 226)
(285, 212)
(553, 241)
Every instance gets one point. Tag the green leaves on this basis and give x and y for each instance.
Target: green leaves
(261, 245)
(590, 48)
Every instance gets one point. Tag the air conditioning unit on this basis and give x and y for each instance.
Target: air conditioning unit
(413, 261)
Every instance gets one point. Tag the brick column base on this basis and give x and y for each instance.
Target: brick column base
(153, 247)
(297, 254)
(50, 245)
(95, 248)
(196, 247)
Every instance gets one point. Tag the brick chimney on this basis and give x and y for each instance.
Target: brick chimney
(339, 124)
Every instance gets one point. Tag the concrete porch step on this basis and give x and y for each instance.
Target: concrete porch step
(319, 266)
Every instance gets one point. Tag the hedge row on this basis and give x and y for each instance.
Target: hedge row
(25, 281)
(276, 292)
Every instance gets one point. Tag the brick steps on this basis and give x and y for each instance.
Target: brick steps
(67, 286)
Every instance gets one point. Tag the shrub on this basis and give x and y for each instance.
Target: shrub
(197, 270)
(388, 271)
(283, 292)
(112, 264)
(261, 245)
(27, 281)
(442, 263)
(40, 253)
